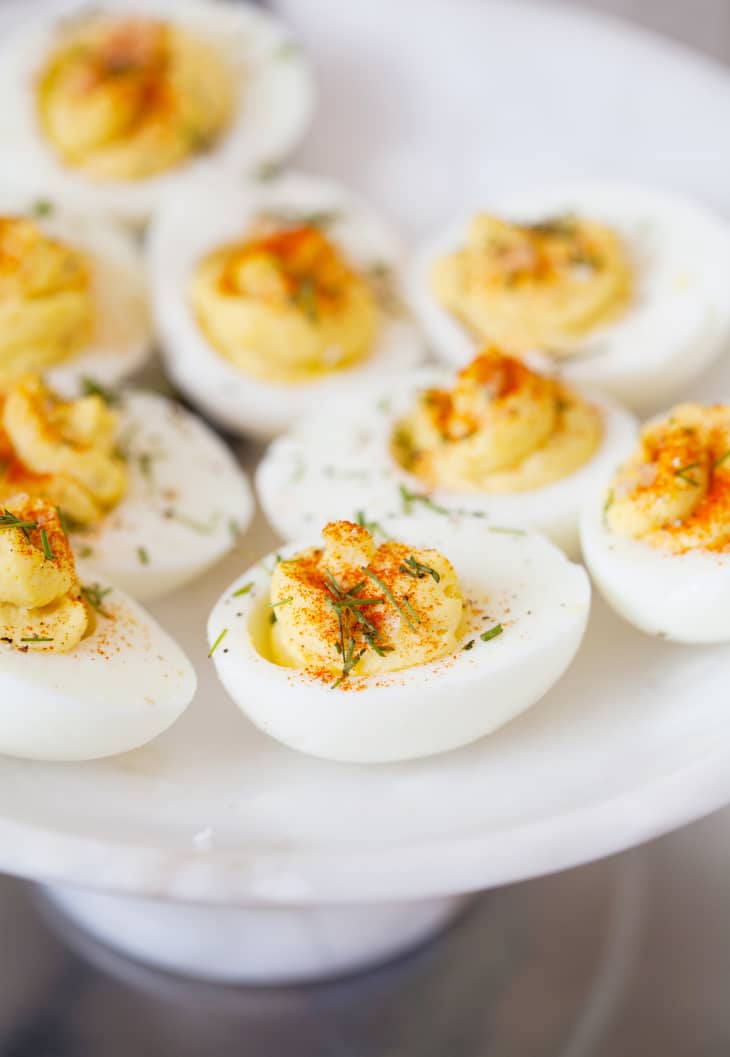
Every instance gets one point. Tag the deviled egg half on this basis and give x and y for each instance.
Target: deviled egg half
(656, 536)
(498, 441)
(72, 295)
(624, 288)
(375, 650)
(151, 496)
(110, 105)
(273, 299)
(84, 671)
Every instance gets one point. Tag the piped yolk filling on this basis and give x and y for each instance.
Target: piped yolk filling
(353, 608)
(41, 603)
(60, 451)
(284, 306)
(46, 306)
(125, 98)
(674, 491)
(541, 285)
(501, 428)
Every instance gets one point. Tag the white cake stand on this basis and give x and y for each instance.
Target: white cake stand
(217, 852)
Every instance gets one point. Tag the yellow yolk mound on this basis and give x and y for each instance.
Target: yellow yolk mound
(502, 428)
(46, 308)
(527, 286)
(61, 451)
(354, 607)
(125, 98)
(286, 306)
(41, 604)
(674, 491)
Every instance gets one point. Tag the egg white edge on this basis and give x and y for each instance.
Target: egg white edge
(284, 477)
(53, 724)
(279, 76)
(236, 401)
(668, 372)
(386, 723)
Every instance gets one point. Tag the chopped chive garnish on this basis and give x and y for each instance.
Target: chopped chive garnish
(272, 617)
(469, 645)
(408, 498)
(305, 298)
(372, 526)
(411, 610)
(683, 473)
(283, 602)
(243, 590)
(391, 598)
(417, 570)
(608, 503)
(723, 458)
(492, 633)
(350, 609)
(217, 642)
(143, 555)
(94, 595)
(503, 530)
(42, 208)
(9, 520)
(90, 387)
(47, 550)
(234, 528)
(36, 638)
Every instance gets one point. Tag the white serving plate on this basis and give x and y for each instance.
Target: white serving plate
(633, 741)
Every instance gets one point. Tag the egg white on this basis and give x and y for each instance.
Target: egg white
(274, 108)
(540, 598)
(336, 465)
(680, 597)
(679, 320)
(214, 212)
(119, 688)
(187, 502)
(122, 335)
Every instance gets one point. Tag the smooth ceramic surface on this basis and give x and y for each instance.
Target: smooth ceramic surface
(633, 741)
(274, 945)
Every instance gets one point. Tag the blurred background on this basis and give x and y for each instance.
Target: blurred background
(623, 957)
(703, 24)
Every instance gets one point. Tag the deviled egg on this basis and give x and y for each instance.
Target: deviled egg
(72, 295)
(624, 288)
(499, 441)
(372, 652)
(151, 496)
(111, 105)
(274, 299)
(656, 536)
(84, 671)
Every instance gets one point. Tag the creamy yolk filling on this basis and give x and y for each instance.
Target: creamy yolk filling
(125, 98)
(285, 305)
(41, 602)
(674, 491)
(62, 451)
(46, 307)
(352, 607)
(501, 428)
(541, 285)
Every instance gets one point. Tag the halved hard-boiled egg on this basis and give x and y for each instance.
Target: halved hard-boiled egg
(111, 105)
(656, 536)
(84, 671)
(72, 296)
(372, 648)
(273, 299)
(498, 441)
(624, 288)
(151, 496)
